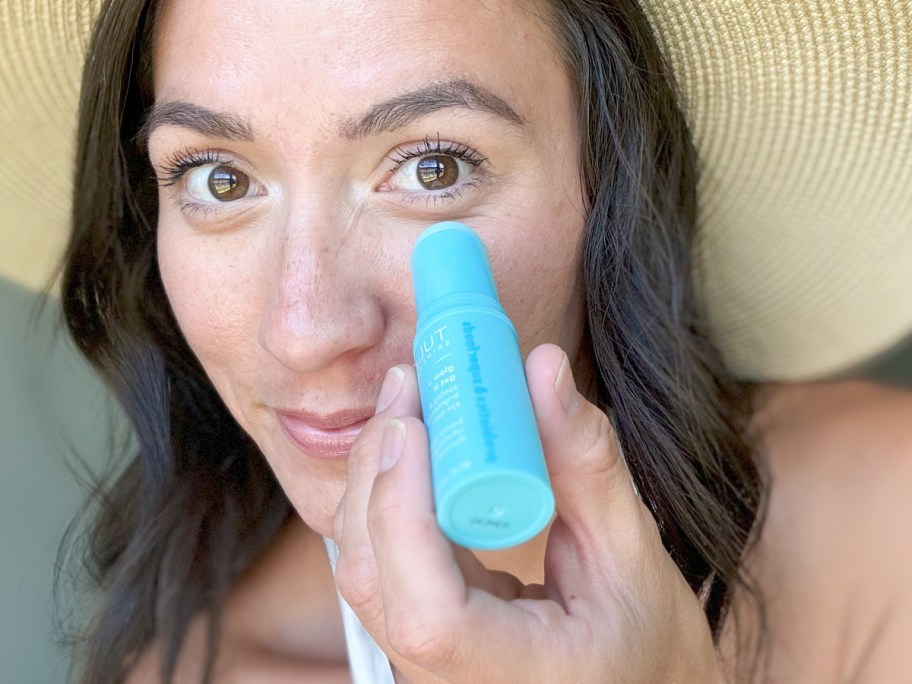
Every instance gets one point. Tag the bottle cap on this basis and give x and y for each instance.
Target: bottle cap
(497, 510)
(450, 259)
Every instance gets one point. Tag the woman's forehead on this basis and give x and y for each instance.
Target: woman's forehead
(279, 53)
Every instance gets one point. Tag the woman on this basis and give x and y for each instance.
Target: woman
(287, 203)
(247, 306)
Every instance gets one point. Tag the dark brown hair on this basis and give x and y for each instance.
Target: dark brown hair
(197, 503)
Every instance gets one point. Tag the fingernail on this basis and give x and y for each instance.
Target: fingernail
(392, 445)
(566, 387)
(392, 383)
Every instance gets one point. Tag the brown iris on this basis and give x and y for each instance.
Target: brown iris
(437, 171)
(228, 184)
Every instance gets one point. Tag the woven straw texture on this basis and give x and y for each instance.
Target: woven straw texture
(42, 44)
(801, 111)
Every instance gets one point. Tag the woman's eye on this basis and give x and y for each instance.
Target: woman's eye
(437, 171)
(431, 172)
(221, 182)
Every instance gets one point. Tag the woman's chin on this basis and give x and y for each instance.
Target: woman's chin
(313, 486)
(317, 506)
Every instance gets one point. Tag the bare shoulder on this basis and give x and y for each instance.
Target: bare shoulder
(840, 460)
(281, 624)
(832, 560)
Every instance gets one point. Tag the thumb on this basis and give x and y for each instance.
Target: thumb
(594, 495)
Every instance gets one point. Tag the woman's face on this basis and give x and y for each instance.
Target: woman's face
(301, 149)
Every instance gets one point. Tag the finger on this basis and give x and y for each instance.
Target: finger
(401, 514)
(610, 565)
(359, 461)
(419, 572)
(433, 618)
(402, 520)
(356, 569)
(594, 496)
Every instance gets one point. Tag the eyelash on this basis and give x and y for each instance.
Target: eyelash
(173, 169)
(429, 146)
(177, 165)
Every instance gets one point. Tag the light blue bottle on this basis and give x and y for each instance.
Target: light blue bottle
(491, 486)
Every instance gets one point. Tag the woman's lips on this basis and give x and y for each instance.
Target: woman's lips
(323, 436)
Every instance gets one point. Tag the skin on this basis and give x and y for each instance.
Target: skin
(834, 579)
(297, 297)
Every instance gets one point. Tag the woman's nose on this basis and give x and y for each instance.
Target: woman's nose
(321, 307)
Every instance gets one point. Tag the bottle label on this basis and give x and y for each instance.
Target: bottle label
(479, 390)
(488, 470)
(441, 398)
(463, 362)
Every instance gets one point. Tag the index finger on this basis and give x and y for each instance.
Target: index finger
(433, 618)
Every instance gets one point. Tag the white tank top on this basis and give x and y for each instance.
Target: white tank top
(368, 664)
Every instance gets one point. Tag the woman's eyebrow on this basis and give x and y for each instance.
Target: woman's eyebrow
(385, 116)
(401, 110)
(205, 121)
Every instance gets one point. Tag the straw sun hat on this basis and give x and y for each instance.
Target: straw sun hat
(801, 111)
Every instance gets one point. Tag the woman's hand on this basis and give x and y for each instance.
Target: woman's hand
(614, 607)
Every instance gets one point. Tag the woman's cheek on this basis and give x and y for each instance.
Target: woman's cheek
(208, 295)
(535, 256)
